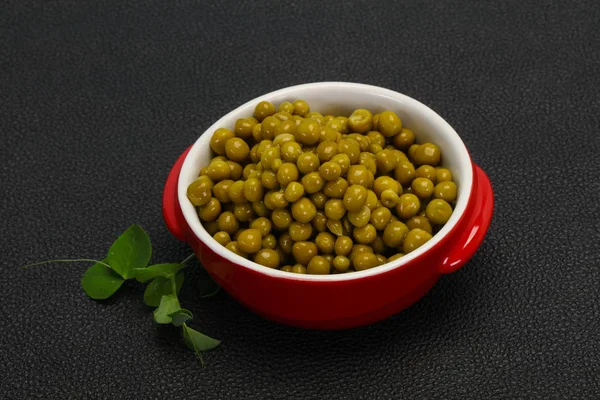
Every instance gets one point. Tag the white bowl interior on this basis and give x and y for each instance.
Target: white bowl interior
(339, 98)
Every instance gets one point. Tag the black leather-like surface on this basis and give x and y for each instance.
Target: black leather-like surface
(97, 100)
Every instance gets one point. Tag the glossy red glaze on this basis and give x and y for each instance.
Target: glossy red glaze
(477, 220)
(347, 303)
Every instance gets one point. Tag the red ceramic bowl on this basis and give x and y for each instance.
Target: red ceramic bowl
(352, 299)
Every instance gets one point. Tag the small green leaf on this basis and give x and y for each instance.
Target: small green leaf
(159, 287)
(100, 282)
(168, 305)
(131, 250)
(154, 271)
(180, 316)
(197, 341)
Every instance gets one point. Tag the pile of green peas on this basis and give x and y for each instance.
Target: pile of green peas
(310, 193)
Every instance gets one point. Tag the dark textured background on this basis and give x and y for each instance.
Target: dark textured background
(98, 98)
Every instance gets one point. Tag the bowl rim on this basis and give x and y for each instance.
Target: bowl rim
(465, 188)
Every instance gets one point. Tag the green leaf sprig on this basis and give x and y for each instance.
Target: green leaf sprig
(127, 259)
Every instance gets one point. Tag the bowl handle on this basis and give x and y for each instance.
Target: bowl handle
(170, 203)
(476, 225)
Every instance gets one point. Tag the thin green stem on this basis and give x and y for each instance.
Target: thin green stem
(188, 258)
(211, 293)
(77, 260)
(173, 284)
(198, 353)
